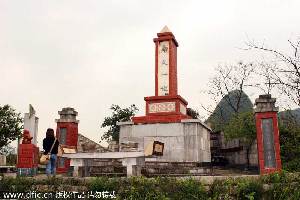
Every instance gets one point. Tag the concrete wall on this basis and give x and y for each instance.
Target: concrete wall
(188, 141)
(240, 157)
(84, 144)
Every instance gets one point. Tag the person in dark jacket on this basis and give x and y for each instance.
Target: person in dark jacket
(47, 144)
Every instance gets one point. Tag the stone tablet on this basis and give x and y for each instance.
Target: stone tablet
(268, 141)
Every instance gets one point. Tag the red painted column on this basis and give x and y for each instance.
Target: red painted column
(28, 152)
(67, 135)
(28, 159)
(268, 146)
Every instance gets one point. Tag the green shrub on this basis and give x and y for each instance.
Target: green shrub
(274, 178)
(190, 189)
(242, 188)
(103, 184)
(281, 177)
(283, 185)
(289, 191)
(292, 165)
(249, 189)
(151, 188)
(222, 189)
(18, 184)
(278, 186)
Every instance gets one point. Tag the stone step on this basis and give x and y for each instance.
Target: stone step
(108, 174)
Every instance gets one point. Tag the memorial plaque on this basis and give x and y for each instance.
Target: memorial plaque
(268, 142)
(163, 68)
(162, 107)
(158, 148)
(63, 136)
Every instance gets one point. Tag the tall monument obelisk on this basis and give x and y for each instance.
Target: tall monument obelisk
(166, 105)
(185, 140)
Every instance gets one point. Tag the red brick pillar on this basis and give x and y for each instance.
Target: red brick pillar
(28, 159)
(67, 135)
(268, 146)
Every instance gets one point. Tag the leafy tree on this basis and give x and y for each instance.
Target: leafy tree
(6, 150)
(192, 113)
(289, 129)
(290, 116)
(118, 115)
(231, 79)
(10, 153)
(227, 92)
(233, 103)
(242, 126)
(10, 125)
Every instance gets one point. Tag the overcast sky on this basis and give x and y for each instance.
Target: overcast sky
(91, 54)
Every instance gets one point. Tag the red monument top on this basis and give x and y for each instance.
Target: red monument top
(166, 106)
(165, 63)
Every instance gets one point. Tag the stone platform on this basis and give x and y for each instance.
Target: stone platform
(186, 141)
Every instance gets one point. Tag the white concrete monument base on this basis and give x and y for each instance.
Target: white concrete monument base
(187, 141)
(31, 123)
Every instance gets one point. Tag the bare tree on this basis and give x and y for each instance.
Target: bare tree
(285, 72)
(263, 77)
(229, 79)
(233, 107)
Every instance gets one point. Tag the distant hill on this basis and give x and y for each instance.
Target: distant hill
(290, 115)
(224, 112)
